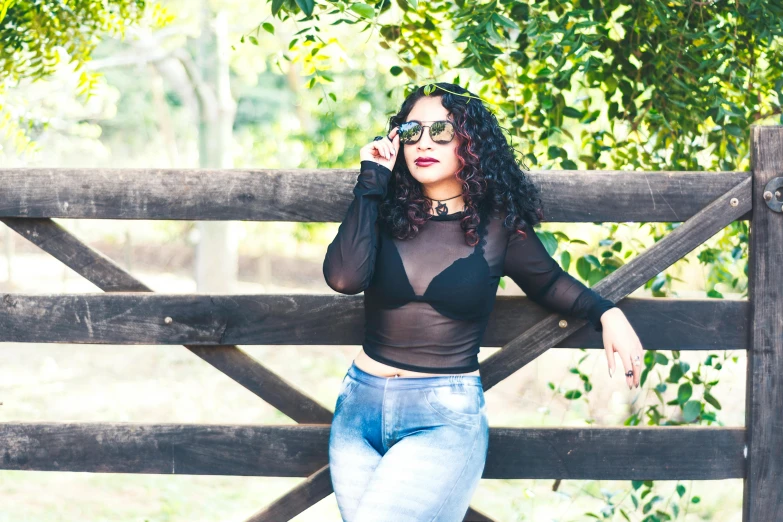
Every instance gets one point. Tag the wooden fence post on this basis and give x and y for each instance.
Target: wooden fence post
(763, 491)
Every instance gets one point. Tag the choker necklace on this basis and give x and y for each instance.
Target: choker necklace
(442, 209)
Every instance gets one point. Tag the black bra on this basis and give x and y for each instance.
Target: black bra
(465, 290)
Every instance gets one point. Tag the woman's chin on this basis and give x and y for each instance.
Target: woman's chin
(429, 175)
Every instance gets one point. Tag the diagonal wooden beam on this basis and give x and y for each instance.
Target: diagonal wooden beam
(617, 285)
(108, 276)
(313, 489)
(474, 515)
(104, 273)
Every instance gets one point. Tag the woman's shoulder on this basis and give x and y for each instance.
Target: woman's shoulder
(497, 223)
(499, 219)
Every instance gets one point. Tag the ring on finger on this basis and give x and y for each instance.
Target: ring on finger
(629, 373)
(637, 361)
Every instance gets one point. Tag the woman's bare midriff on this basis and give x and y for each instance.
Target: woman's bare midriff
(369, 365)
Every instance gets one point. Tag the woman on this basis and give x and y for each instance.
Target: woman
(409, 436)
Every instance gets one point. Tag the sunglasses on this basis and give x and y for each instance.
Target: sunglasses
(441, 132)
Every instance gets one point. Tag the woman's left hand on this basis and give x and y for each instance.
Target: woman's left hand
(619, 336)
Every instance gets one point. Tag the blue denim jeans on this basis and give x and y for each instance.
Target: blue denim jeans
(407, 449)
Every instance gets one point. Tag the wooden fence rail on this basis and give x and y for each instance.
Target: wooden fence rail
(212, 325)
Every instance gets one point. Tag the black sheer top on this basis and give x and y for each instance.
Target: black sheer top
(428, 299)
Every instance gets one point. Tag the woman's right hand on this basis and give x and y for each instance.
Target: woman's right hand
(383, 152)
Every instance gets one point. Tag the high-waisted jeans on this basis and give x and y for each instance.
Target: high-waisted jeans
(407, 449)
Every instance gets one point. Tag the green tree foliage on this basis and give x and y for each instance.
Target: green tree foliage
(37, 35)
(33, 32)
(673, 79)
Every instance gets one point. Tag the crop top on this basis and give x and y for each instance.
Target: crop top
(427, 300)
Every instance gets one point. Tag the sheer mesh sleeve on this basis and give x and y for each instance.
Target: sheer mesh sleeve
(350, 257)
(531, 267)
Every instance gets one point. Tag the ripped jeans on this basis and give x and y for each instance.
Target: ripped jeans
(407, 449)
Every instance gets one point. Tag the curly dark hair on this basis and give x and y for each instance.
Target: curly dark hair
(492, 178)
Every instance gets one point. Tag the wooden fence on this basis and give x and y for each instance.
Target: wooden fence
(211, 325)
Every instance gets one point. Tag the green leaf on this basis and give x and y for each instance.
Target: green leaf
(269, 28)
(502, 20)
(367, 11)
(691, 410)
(613, 262)
(565, 260)
(594, 277)
(306, 6)
(567, 164)
(675, 373)
(424, 58)
(556, 152)
(549, 240)
(712, 400)
(583, 268)
(593, 260)
(734, 130)
(684, 392)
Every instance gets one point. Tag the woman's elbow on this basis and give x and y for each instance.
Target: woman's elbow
(344, 283)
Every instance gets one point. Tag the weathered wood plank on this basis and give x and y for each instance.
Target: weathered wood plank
(176, 449)
(73, 253)
(474, 515)
(763, 489)
(690, 234)
(638, 453)
(625, 453)
(268, 385)
(302, 319)
(105, 274)
(314, 489)
(314, 195)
